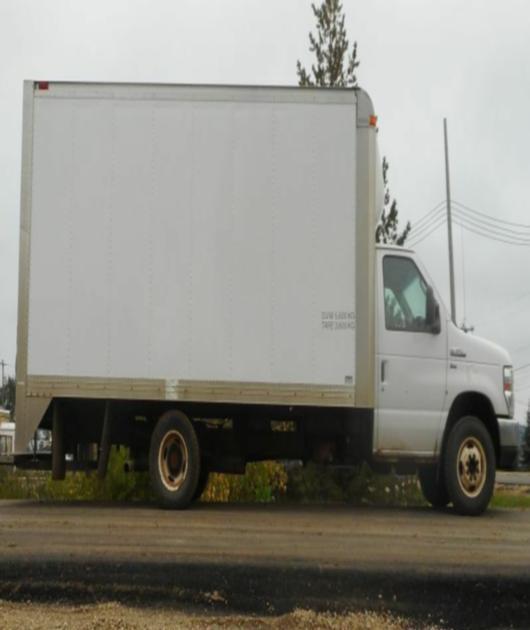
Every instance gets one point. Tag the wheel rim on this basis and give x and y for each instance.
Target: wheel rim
(471, 467)
(173, 460)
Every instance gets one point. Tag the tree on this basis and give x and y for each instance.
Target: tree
(335, 67)
(7, 399)
(387, 229)
(525, 446)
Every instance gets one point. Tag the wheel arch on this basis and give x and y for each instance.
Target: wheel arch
(478, 405)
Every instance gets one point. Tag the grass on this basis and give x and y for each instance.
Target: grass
(517, 498)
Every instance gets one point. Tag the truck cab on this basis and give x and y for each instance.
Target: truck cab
(444, 398)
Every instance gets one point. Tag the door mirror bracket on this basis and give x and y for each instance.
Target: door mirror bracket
(432, 314)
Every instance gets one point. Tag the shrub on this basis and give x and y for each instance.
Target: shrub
(78, 486)
(358, 486)
(263, 482)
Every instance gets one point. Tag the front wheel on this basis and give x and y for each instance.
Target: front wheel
(174, 460)
(469, 466)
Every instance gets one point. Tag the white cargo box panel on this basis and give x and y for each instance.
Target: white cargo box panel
(192, 242)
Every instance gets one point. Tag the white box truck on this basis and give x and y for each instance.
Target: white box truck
(198, 269)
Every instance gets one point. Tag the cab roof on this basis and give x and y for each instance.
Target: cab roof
(394, 248)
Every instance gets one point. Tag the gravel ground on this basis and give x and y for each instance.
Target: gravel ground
(230, 566)
(112, 616)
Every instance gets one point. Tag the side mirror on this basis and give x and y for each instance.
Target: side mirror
(432, 314)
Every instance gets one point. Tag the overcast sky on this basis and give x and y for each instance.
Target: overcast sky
(421, 61)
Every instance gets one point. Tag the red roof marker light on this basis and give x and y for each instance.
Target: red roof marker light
(42, 85)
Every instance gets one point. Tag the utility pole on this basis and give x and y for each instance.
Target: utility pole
(2, 390)
(449, 227)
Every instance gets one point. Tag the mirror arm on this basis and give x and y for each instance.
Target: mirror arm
(433, 312)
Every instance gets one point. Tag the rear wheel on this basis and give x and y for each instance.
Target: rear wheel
(469, 466)
(174, 460)
(433, 486)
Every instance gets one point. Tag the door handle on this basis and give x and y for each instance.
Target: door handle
(457, 352)
(383, 370)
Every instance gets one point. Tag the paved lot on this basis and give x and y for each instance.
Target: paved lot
(515, 478)
(418, 539)
(472, 571)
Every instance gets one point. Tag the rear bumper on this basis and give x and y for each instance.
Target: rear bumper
(509, 443)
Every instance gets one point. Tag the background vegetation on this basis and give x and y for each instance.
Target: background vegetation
(264, 482)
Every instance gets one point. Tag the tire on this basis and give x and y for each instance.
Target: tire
(433, 486)
(174, 461)
(204, 475)
(469, 466)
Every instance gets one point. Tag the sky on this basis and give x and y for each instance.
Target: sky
(421, 61)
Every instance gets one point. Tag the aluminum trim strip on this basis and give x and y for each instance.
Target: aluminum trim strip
(191, 391)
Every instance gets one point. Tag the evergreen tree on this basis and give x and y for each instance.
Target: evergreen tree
(7, 399)
(387, 228)
(335, 67)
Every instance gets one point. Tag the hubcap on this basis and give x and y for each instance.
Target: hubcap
(173, 460)
(471, 467)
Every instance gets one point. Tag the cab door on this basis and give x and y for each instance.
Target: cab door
(411, 362)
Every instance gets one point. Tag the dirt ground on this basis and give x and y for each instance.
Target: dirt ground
(112, 616)
(134, 566)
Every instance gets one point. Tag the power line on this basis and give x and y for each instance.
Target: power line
(501, 231)
(434, 210)
(425, 222)
(490, 233)
(461, 222)
(416, 234)
(466, 218)
(521, 367)
(473, 221)
(415, 240)
(493, 219)
(496, 227)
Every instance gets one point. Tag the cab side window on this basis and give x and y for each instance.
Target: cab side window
(405, 295)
